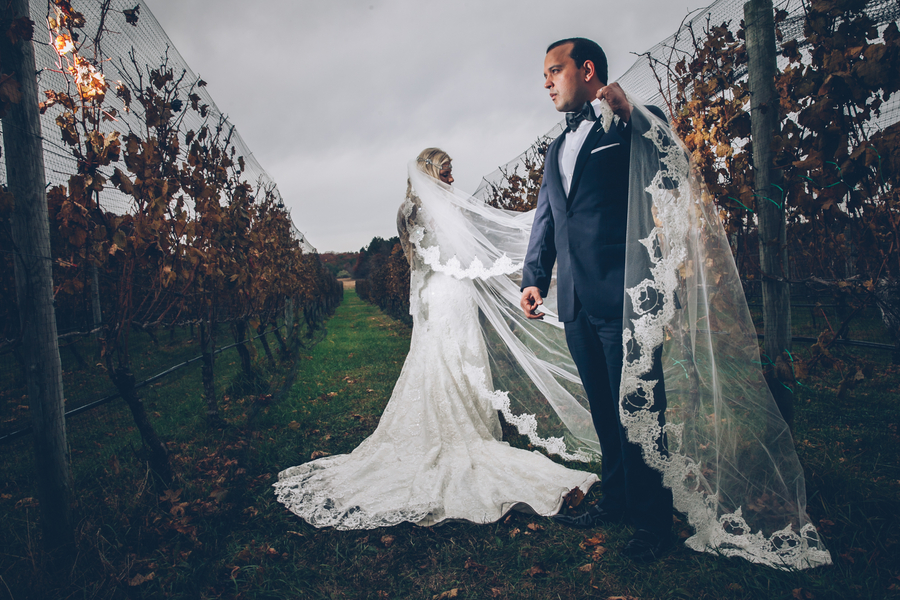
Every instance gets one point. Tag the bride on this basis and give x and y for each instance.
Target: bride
(436, 454)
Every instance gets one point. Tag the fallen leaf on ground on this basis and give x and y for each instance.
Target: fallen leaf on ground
(496, 592)
(319, 454)
(597, 553)
(387, 540)
(573, 498)
(471, 564)
(294, 425)
(514, 532)
(139, 579)
(589, 542)
(535, 527)
(448, 594)
(535, 571)
(586, 568)
(170, 496)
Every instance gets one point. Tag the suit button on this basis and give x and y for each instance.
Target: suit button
(569, 214)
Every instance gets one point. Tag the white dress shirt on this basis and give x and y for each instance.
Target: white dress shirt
(571, 146)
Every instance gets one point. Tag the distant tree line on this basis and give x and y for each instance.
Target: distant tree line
(382, 277)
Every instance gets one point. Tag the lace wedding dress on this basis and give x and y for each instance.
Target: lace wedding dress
(436, 454)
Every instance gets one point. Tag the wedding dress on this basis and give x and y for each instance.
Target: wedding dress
(436, 454)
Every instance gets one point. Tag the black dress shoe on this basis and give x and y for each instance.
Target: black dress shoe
(595, 516)
(645, 546)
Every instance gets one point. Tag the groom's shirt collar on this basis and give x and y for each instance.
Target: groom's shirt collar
(571, 146)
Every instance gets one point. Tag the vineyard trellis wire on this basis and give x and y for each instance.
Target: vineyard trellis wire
(256, 268)
(706, 53)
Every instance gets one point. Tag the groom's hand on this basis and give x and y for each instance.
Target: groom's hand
(618, 102)
(531, 299)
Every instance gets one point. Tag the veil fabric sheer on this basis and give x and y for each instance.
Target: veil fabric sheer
(731, 462)
(436, 454)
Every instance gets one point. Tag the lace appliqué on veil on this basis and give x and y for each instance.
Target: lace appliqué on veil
(525, 424)
(476, 270)
(654, 304)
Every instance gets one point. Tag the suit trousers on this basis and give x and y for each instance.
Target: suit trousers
(630, 487)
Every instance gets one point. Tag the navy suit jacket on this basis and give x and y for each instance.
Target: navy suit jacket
(584, 231)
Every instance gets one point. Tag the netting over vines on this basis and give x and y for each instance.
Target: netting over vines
(835, 160)
(133, 46)
(653, 86)
(161, 219)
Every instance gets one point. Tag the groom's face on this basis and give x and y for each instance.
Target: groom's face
(565, 82)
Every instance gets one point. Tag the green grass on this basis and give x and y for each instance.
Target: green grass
(221, 534)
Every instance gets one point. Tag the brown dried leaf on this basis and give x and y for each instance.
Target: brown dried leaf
(535, 527)
(589, 542)
(586, 568)
(573, 498)
(387, 540)
(535, 571)
(9, 90)
(20, 29)
(448, 594)
(26, 503)
(131, 15)
(139, 579)
(170, 496)
(598, 552)
(319, 454)
(471, 564)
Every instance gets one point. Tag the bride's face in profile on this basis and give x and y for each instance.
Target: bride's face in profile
(446, 173)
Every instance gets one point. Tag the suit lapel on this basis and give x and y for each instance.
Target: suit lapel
(551, 169)
(589, 143)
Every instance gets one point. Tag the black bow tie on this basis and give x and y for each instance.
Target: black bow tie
(574, 119)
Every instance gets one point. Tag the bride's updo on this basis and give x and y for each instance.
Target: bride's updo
(430, 161)
(434, 162)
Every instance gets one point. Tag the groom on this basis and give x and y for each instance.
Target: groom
(580, 224)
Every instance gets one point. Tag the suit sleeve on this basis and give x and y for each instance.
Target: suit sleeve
(541, 252)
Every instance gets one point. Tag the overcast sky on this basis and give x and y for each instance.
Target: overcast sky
(335, 97)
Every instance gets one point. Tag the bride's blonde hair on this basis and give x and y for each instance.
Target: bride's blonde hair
(430, 161)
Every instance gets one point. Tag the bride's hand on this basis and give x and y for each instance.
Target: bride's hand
(531, 299)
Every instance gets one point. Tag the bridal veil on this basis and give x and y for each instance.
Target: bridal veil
(731, 462)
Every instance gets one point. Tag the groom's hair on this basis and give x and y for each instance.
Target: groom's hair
(585, 49)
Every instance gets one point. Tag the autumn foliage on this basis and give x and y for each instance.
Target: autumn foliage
(833, 150)
(200, 245)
